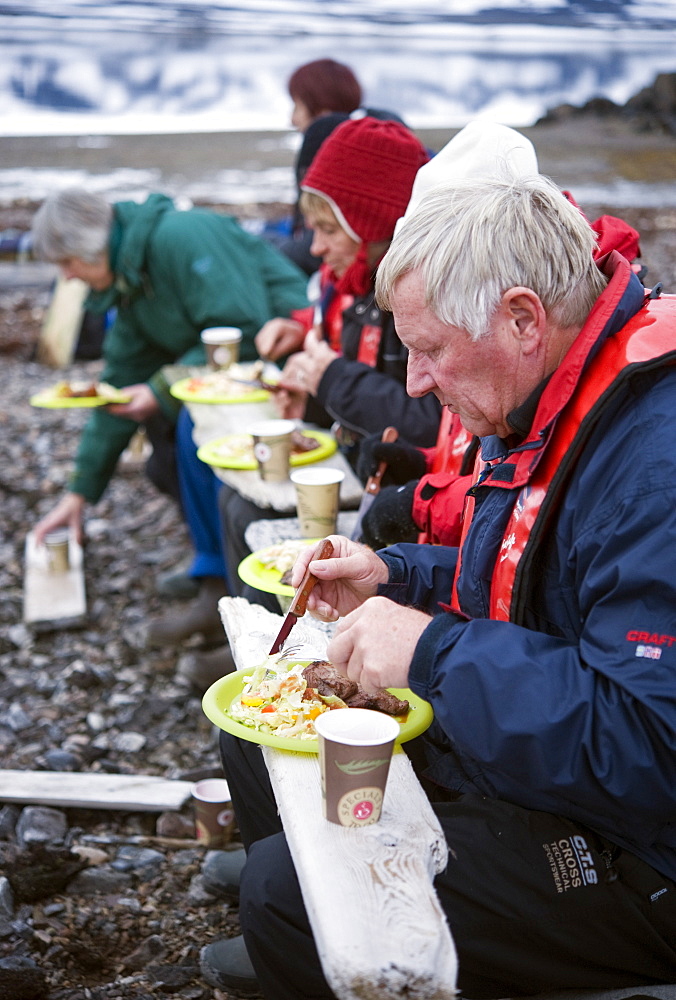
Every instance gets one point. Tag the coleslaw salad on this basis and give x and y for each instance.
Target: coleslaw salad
(276, 700)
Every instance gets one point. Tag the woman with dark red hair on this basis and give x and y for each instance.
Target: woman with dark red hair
(325, 93)
(322, 86)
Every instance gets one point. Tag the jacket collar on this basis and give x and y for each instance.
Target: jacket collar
(622, 297)
(131, 228)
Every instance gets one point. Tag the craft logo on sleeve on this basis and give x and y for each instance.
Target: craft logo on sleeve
(649, 645)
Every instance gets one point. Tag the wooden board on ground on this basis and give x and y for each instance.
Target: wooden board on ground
(53, 598)
(62, 324)
(131, 792)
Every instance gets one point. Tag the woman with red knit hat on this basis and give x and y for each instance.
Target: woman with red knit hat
(349, 370)
(324, 93)
(352, 366)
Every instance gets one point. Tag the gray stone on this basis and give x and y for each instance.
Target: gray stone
(96, 721)
(152, 948)
(198, 894)
(40, 824)
(62, 760)
(130, 858)
(9, 817)
(16, 718)
(6, 898)
(173, 977)
(93, 881)
(129, 742)
(19, 635)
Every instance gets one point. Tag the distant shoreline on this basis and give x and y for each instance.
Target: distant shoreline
(588, 151)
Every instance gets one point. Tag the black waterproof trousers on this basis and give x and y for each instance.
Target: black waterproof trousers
(534, 901)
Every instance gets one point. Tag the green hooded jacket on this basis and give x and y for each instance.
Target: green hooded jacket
(176, 273)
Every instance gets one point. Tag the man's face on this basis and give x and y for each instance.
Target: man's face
(332, 244)
(481, 381)
(97, 275)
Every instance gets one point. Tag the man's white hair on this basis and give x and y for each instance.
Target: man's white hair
(72, 223)
(474, 240)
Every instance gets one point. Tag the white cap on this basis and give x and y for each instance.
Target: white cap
(480, 149)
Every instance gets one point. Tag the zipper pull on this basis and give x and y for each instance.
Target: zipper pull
(483, 475)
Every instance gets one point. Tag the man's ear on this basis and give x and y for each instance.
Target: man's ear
(525, 314)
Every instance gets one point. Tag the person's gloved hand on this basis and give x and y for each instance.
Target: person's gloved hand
(388, 519)
(404, 460)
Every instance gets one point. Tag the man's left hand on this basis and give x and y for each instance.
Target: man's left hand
(143, 403)
(374, 644)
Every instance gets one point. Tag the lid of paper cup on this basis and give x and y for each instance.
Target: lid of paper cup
(220, 334)
(357, 726)
(317, 477)
(272, 428)
(57, 536)
(211, 790)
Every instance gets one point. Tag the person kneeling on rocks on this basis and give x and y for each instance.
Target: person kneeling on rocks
(168, 274)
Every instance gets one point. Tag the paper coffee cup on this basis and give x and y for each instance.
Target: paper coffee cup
(214, 815)
(222, 345)
(317, 500)
(272, 448)
(57, 544)
(355, 749)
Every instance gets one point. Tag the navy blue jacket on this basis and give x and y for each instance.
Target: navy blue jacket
(573, 710)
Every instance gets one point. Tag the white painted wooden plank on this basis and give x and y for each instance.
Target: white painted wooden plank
(133, 792)
(50, 596)
(61, 327)
(379, 929)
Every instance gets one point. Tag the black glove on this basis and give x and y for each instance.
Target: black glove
(388, 519)
(404, 460)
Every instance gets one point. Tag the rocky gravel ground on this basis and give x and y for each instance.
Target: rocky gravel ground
(93, 903)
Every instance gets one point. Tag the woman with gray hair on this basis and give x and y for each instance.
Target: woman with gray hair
(168, 274)
(73, 224)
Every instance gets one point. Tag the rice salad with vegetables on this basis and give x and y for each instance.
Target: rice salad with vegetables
(276, 700)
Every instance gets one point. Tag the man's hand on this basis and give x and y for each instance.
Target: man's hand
(345, 580)
(290, 405)
(143, 403)
(279, 337)
(304, 370)
(374, 645)
(67, 514)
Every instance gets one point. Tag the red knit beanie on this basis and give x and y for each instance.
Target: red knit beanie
(365, 170)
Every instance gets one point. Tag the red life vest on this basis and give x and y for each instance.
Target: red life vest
(445, 462)
(646, 342)
(452, 443)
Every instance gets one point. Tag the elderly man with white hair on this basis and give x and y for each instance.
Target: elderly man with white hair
(546, 641)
